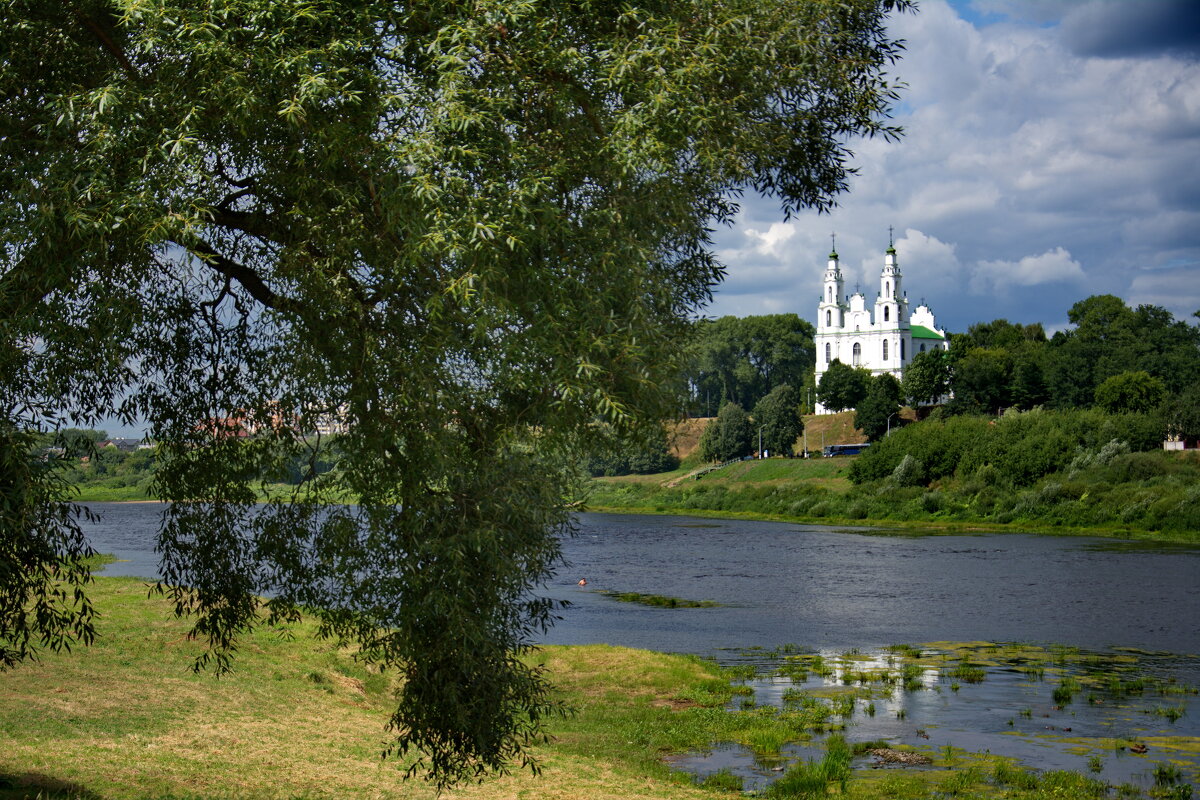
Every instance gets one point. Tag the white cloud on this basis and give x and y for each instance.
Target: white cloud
(771, 242)
(1053, 266)
(925, 260)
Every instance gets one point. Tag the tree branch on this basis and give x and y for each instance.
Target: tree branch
(249, 280)
(107, 42)
(261, 227)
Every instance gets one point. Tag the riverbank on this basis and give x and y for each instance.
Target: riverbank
(1155, 505)
(126, 718)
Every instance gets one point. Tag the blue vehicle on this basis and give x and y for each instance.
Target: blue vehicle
(832, 450)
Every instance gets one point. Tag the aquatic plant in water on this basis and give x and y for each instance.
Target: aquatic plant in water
(659, 600)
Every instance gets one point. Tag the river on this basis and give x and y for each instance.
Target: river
(826, 587)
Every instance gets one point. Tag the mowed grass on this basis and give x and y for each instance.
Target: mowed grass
(828, 473)
(127, 718)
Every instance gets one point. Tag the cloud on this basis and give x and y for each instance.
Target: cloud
(1110, 29)
(1036, 169)
(771, 241)
(1053, 266)
(1175, 289)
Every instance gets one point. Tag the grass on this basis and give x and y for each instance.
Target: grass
(126, 718)
(659, 600)
(97, 493)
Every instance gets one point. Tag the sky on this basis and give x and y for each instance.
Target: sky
(1051, 152)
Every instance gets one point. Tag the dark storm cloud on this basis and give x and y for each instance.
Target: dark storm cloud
(1110, 29)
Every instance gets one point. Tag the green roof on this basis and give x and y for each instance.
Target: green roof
(921, 332)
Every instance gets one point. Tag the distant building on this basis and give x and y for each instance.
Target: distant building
(126, 445)
(883, 341)
(333, 423)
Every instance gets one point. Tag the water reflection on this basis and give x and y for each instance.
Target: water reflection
(913, 699)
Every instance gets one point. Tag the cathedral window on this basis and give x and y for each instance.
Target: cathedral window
(828, 317)
(885, 353)
(829, 293)
(827, 359)
(886, 314)
(902, 350)
(857, 353)
(922, 348)
(887, 289)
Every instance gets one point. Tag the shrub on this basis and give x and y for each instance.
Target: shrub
(908, 472)
(1138, 467)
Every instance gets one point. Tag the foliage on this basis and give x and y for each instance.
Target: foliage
(1020, 448)
(1130, 391)
(873, 415)
(728, 436)
(999, 364)
(1109, 338)
(926, 378)
(1183, 413)
(1104, 456)
(981, 378)
(645, 455)
(778, 415)
(470, 232)
(1151, 494)
(742, 359)
(843, 386)
(44, 570)
(1002, 334)
(908, 472)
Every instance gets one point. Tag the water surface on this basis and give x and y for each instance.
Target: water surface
(825, 587)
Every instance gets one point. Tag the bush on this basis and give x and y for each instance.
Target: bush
(1138, 467)
(728, 436)
(638, 457)
(1021, 447)
(908, 472)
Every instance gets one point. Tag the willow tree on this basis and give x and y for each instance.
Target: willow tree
(468, 231)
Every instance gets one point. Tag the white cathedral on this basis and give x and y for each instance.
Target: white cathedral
(885, 341)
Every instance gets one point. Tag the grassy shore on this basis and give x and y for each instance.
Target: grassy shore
(299, 718)
(818, 491)
(126, 718)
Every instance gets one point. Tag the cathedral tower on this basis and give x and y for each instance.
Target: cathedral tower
(891, 306)
(830, 310)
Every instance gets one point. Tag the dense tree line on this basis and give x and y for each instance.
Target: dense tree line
(1115, 357)
(774, 426)
(741, 359)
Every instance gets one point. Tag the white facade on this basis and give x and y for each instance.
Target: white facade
(881, 340)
